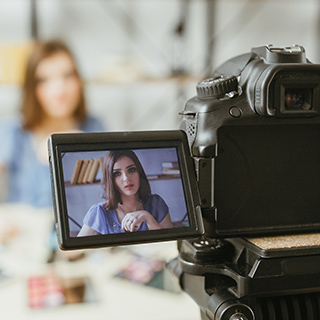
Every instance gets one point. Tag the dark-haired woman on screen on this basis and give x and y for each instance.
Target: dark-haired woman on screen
(129, 205)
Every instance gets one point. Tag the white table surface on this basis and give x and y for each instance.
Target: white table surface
(24, 254)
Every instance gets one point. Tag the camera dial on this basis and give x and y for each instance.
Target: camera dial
(217, 87)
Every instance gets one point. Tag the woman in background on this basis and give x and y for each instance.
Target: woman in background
(53, 101)
(129, 205)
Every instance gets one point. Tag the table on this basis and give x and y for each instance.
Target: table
(25, 253)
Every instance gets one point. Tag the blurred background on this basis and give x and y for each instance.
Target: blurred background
(140, 61)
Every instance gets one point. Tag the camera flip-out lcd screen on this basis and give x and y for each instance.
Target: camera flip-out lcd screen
(122, 188)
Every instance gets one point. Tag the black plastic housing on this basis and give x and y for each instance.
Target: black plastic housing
(61, 145)
(257, 159)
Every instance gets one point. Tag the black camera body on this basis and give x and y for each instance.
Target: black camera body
(246, 170)
(254, 133)
(256, 155)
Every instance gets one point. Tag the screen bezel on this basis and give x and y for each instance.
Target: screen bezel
(81, 142)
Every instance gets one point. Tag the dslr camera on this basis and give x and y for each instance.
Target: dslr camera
(239, 185)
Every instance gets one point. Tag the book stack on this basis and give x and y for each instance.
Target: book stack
(171, 167)
(85, 171)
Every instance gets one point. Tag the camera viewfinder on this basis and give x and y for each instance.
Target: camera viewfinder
(297, 99)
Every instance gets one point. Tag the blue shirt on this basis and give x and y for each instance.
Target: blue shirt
(106, 221)
(29, 178)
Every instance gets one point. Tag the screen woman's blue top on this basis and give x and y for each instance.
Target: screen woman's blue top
(106, 221)
(29, 178)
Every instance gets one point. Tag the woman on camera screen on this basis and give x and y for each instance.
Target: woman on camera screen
(129, 205)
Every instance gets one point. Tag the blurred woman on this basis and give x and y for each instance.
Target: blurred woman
(53, 101)
(129, 205)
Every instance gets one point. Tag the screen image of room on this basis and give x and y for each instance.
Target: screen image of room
(82, 176)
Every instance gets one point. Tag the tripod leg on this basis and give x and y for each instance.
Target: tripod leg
(204, 315)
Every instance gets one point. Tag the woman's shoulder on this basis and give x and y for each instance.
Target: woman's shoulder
(92, 124)
(15, 139)
(156, 206)
(95, 212)
(11, 123)
(98, 208)
(155, 199)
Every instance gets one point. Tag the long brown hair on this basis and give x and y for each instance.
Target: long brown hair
(31, 109)
(111, 193)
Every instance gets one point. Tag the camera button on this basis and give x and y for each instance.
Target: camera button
(235, 112)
